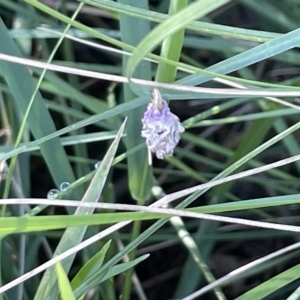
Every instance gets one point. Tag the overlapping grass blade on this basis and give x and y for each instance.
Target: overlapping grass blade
(93, 119)
(272, 285)
(172, 25)
(22, 86)
(171, 47)
(65, 289)
(113, 271)
(30, 224)
(90, 267)
(254, 55)
(73, 236)
(204, 27)
(139, 171)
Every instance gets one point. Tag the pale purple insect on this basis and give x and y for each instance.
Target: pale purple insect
(161, 128)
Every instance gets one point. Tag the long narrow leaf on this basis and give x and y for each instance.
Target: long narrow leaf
(40, 122)
(139, 172)
(64, 285)
(72, 236)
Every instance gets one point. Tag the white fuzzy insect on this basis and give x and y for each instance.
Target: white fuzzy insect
(161, 128)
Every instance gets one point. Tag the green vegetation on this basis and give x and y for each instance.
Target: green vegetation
(84, 215)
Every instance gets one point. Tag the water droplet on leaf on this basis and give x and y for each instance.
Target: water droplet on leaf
(64, 186)
(52, 194)
(97, 164)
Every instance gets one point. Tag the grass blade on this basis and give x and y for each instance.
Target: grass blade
(72, 236)
(170, 26)
(273, 284)
(171, 47)
(64, 285)
(40, 122)
(90, 267)
(254, 55)
(139, 172)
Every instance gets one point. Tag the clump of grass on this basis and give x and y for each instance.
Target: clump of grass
(84, 215)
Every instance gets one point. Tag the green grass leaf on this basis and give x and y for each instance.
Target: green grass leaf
(64, 285)
(122, 108)
(139, 171)
(247, 58)
(171, 47)
(90, 267)
(170, 26)
(268, 287)
(39, 223)
(40, 122)
(113, 271)
(74, 236)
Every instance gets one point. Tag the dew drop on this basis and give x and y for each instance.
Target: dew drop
(97, 164)
(52, 194)
(64, 186)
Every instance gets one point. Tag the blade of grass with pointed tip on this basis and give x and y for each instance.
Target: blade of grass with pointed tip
(139, 172)
(113, 271)
(90, 267)
(47, 289)
(65, 289)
